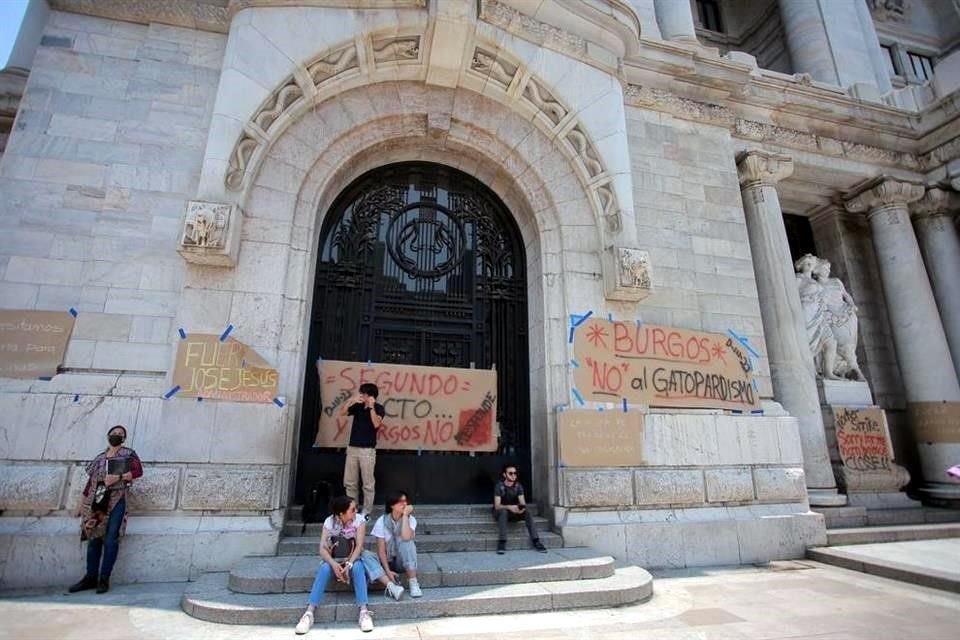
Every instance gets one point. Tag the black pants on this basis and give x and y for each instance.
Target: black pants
(503, 516)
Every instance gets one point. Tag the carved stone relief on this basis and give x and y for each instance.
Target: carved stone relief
(334, 63)
(396, 49)
(889, 10)
(277, 104)
(513, 21)
(500, 71)
(544, 101)
(239, 159)
(211, 233)
(633, 278)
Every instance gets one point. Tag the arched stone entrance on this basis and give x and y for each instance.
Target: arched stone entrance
(419, 263)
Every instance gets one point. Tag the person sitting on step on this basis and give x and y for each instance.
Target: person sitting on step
(396, 550)
(341, 549)
(509, 504)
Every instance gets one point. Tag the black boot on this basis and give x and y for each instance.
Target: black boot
(87, 582)
(104, 585)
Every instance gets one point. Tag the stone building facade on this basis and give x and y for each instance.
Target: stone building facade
(718, 138)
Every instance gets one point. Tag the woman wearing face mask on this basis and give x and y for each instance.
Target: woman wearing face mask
(103, 508)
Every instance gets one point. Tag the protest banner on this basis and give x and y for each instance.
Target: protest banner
(209, 368)
(862, 438)
(431, 408)
(658, 366)
(33, 343)
(600, 438)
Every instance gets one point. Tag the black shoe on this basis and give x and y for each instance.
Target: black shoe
(539, 546)
(85, 583)
(501, 547)
(104, 585)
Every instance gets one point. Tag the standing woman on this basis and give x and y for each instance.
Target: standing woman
(103, 508)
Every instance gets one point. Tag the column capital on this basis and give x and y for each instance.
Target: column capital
(880, 192)
(935, 202)
(763, 168)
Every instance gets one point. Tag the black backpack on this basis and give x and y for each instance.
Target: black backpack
(317, 505)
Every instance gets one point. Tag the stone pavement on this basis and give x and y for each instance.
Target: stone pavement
(799, 599)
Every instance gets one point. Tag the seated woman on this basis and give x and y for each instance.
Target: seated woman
(103, 508)
(396, 549)
(341, 549)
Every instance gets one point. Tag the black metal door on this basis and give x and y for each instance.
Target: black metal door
(422, 264)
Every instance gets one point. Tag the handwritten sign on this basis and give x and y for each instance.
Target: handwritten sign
(33, 343)
(863, 438)
(433, 408)
(662, 366)
(600, 438)
(205, 367)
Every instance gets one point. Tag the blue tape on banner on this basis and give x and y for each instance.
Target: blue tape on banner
(226, 332)
(624, 405)
(756, 386)
(172, 392)
(743, 340)
(45, 378)
(419, 451)
(575, 364)
(576, 394)
(369, 364)
(562, 465)
(278, 402)
(183, 334)
(583, 318)
(639, 323)
(757, 411)
(73, 312)
(736, 410)
(199, 399)
(76, 398)
(572, 329)
(610, 317)
(599, 408)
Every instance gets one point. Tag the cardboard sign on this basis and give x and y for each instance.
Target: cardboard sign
(33, 343)
(205, 367)
(433, 408)
(600, 438)
(935, 422)
(661, 366)
(862, 438)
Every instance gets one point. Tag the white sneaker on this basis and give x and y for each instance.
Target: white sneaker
(306, 621)
(415, 591)
(366, 622)
(395, 591)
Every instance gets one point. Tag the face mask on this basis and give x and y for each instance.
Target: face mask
(115, 440)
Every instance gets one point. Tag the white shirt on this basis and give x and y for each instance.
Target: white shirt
(385, 524)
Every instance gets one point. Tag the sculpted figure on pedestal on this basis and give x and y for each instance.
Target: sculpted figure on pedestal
(842, 318)
(822, 343)
(830, 314)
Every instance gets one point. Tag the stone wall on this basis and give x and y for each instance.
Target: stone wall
(716, 489)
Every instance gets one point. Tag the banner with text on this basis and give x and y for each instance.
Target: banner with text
(209, 368)
(661, 366)
(600, 438)
(33, 343)
(863, 438)
(433, 408)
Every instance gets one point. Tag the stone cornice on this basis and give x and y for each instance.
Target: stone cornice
(881, 192)
(205, 15)
(758, 168)
(236, 6)
(935, 202)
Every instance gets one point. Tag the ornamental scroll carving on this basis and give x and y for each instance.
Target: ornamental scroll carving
(398, 49)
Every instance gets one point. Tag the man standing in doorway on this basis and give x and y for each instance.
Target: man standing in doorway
(367, 416)
(509, 503)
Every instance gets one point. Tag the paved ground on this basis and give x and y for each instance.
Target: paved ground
(796, 599)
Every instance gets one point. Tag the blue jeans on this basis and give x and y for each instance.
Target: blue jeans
(108, 546)
(406, 558)
(358, 576)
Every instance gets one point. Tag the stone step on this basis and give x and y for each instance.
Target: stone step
(842, 517)
(869, 559)
(210, 599)
(425, 526)
(432, 510)
(918, 515)
(897, 533)
(516, 539)
(294, 574)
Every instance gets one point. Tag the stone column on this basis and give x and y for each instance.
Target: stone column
(675, 18)
(940, 246)
(929, 379)
(791, 363)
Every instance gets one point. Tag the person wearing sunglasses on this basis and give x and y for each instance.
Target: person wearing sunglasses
(510, 505)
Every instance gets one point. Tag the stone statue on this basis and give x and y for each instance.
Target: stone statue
(822, 343)
(842, 319)
(830, 315)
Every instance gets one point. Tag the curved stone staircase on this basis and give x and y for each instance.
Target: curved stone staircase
(458, 570)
